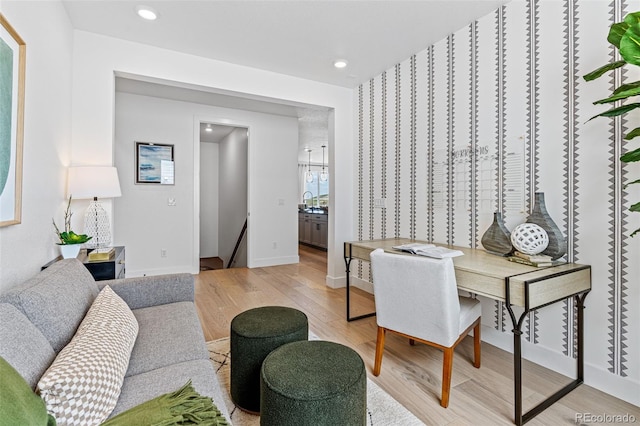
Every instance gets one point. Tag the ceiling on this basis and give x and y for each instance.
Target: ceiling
(299, 38)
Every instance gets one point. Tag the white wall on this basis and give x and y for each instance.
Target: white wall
(96, 58)
(46, 30)
(209, 166)
(234, 153)
(147, 225)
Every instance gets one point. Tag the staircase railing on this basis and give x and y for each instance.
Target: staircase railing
(235, 249)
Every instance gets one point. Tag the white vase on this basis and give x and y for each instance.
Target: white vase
(70, 251)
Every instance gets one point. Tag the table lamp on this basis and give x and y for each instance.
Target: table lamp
(93, 182)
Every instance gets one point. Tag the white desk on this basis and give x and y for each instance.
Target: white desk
(515, 284)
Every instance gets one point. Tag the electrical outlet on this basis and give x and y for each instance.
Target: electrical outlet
(171, 202)
(380, 203)
(163, 252)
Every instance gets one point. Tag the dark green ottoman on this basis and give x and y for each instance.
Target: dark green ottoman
(254, 334)
(313, 383)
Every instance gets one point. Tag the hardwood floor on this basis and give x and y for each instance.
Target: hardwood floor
(411, 374)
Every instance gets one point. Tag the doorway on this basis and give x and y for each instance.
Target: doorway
(223, 195)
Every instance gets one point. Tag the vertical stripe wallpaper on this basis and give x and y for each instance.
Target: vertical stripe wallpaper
(485, 118)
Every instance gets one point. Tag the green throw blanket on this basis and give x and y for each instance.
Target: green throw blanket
(182, 407)
(19, 405)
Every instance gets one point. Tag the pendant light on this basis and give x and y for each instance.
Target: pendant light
(324, 175)
(309, 175)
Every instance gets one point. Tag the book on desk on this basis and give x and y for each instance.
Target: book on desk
(428, 250)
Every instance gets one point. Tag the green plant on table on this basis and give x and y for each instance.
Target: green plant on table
(625, 36)
(68, 236)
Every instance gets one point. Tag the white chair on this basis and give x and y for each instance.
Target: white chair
(416, 297)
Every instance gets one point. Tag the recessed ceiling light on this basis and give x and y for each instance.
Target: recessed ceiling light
(208, 128)
(340, 63)
(146, 12)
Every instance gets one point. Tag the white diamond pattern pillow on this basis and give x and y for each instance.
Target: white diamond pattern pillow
(82, 385)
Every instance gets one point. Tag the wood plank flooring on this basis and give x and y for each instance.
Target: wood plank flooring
(411, 374)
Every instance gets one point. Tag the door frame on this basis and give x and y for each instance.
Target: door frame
(198, 119)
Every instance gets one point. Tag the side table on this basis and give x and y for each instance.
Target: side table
(101, 269)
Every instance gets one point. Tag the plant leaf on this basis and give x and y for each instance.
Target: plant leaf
(631, 156)
(635, 207)
(630, 44)
(614, 112)
(632, 134)
(632, 18)
(624, 94)
(627, 86)
(616, 32)
(603, 69)
(635, 232)
(631, 183)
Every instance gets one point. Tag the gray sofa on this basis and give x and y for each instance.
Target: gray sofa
(40, 316)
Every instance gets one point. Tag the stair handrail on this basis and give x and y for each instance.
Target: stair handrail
(235, 249)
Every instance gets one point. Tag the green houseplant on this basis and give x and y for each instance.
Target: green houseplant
(625, 36)
(69, 241)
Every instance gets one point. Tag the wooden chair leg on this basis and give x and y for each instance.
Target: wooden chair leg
(476, 345)
(412, 342)
(447, 367)
(379, 351)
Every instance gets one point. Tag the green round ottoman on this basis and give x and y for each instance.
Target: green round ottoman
(254, 334)
(313, 383)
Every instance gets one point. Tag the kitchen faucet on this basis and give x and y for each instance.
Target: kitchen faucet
(310, 193)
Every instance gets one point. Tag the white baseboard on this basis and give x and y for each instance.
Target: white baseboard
(274, 261)
(335, 282)
(361, 284)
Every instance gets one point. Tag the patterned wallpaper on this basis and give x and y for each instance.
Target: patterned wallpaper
(480, 122)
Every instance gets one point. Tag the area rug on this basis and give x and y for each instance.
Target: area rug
(382, 409)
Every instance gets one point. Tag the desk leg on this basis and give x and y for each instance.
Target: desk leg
(347, 261)
(517, 363)
(519, 417)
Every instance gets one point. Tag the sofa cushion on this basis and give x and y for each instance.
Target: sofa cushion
(143, 387)
(168, 334)
(55, 300)
(83, 383)
(23, 345)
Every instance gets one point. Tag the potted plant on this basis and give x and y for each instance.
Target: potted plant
(70, 242)
(625, 36)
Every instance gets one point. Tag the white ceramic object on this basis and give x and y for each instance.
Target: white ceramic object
(69, 251)
(529, 238)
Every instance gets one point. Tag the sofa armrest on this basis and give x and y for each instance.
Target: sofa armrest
(143, 292)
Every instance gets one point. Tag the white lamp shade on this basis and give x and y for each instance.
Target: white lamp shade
(93, 182)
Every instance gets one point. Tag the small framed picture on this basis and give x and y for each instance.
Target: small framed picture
(154, 163)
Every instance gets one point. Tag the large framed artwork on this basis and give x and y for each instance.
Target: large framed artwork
(12, 74)
(154, 163)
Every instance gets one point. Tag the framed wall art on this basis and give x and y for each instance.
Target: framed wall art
(12, 74)
(154, 163)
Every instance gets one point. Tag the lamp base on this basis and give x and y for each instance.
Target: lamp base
(97, 225)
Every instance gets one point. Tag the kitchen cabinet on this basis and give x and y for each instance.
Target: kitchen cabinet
(313, 229)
